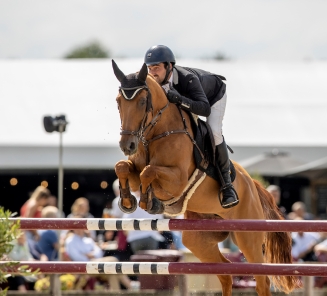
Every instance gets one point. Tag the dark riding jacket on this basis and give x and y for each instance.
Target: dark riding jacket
(201, 89)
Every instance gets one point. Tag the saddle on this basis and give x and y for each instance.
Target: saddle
(204, 150)
(204, 154)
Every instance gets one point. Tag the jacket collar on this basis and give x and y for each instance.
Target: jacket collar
(175, 76)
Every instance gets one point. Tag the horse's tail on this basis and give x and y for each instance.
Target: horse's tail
(277, 245)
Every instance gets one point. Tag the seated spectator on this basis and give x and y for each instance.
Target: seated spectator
(20, 252)
(48, 243)
(81, 248)
(299, 211)
(53, 201)
(321, 248)
(143, 240)
(303, 245)
(274, 190)
(81, 208)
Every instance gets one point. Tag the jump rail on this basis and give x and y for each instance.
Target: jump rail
(171, 268)
(174, 224)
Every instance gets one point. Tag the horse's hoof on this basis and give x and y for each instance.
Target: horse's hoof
(157, 207)
(128, 210)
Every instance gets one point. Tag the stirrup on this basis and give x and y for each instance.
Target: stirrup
(221, 196)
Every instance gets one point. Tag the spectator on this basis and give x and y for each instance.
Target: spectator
(48, 243)
(303, 245)
(299, 211)
(81, 208)
(143, 240)
(33, 206)
(81, 248)
(53, 201)
(124, 251)
(274, 190)
(32, 209)
(321, 248)
(20, 252)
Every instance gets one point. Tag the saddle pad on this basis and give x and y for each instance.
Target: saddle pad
(177, 206)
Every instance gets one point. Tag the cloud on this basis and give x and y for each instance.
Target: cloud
(252, 29)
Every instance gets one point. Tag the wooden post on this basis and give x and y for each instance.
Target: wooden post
(55, 285)
(308, 283)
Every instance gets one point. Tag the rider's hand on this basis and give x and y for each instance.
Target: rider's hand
(174, 97)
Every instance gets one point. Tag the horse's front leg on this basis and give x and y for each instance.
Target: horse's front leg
(167, 182)
(128, 176)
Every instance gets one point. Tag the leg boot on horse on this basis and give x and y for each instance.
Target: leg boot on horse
(229, 196)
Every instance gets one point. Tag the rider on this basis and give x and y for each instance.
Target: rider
(196, 91)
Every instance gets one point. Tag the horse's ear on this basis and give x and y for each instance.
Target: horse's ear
(119, 74)
(143, 73)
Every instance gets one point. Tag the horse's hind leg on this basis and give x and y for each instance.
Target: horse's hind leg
(204, 245)
(250, 243)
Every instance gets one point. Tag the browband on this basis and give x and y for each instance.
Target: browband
(137, 89)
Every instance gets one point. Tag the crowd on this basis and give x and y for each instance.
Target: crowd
(83, 245)
(114, 246)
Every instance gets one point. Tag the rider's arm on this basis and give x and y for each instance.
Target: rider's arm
(197, 102)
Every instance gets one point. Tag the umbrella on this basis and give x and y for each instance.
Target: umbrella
(274, 163)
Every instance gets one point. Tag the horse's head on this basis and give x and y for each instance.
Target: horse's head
(134, 103)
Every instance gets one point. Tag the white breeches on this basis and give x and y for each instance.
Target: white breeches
(215, 119)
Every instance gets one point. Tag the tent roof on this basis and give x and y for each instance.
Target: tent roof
(269, 104)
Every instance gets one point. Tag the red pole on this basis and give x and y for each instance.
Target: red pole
(180, 224)
(187, 268)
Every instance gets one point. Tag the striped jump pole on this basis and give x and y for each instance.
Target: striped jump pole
(174, 224)
(132, 268)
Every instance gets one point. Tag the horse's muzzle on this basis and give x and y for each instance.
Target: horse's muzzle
(128, 144)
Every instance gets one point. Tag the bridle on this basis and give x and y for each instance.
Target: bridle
(144, 128)
(137, 89)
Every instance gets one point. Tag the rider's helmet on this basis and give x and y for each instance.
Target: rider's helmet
(159, 54)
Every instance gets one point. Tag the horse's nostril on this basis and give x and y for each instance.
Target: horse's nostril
(132, 146)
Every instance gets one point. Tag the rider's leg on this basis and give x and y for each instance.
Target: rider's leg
(215, 120)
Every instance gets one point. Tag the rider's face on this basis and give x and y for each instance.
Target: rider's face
(158, 71)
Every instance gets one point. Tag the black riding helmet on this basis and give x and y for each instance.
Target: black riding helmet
(160, 54)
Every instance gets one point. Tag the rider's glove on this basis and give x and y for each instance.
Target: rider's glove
(174, 97)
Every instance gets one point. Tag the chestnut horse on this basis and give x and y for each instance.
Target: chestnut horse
(162, 163)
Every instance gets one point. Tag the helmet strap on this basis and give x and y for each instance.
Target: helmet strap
(168, 71)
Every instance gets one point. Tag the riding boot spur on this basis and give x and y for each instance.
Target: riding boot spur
(227, 196)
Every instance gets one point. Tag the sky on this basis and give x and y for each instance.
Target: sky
(240, 29)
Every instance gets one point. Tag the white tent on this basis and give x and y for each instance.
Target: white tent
(269, 105)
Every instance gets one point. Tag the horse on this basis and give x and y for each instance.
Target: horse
(156, 137)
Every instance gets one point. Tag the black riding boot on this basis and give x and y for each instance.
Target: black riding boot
(229, 196)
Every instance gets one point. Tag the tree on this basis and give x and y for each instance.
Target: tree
(9, 231)
(93, 50)
(220, 56)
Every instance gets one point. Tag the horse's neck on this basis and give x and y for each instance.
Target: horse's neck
(170, 119)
